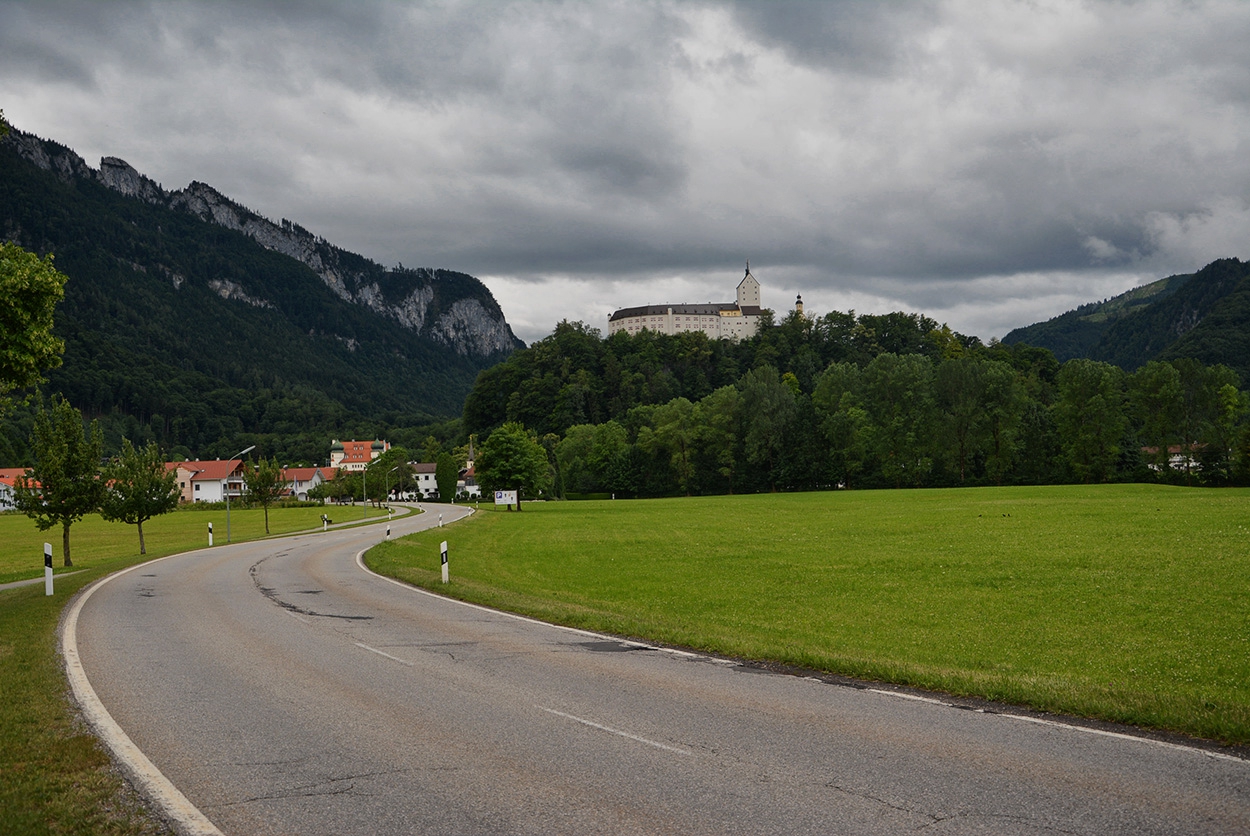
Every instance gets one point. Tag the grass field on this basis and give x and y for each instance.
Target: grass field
(1126, 602)
(54, 776)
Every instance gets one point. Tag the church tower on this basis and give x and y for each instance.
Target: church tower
(748, 290)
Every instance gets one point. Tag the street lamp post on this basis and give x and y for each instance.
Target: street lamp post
(388, 484)
(237, 455)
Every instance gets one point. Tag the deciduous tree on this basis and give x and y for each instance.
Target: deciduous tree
(64, 485)
(512, 459)
(1090, 417)
(138, 487)
(264, 484)
(30, 287)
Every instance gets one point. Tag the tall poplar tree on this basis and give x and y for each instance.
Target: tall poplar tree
(64, 485)
(139, 487)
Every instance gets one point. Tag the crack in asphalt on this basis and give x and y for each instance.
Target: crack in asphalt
(272, 595)
(311, 790)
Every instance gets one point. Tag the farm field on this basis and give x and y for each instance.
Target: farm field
(1128, 603)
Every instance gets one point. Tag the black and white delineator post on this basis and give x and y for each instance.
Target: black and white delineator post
(444, 552)
(388, 531)
(210, 534)
(47, 567)
(440, 519)
(325, 523)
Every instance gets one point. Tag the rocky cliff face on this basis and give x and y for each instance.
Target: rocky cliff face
(451, 308)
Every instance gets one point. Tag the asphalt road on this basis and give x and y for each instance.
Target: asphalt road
(284, 690)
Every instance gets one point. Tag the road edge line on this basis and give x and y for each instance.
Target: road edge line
(175, 807)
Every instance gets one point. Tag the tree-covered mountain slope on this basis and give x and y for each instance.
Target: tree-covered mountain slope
(1203, 315)
(1077, 332)
(203, 325)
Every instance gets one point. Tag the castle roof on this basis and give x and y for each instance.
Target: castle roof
(709, 309)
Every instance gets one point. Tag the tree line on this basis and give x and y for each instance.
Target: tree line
(823, 403)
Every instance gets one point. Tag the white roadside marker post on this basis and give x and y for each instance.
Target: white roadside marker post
(388, 531)
(47, 569)
(440, 519)
(444, 552)
(210, 534)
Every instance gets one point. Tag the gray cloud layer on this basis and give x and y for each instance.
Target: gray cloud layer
(987, 164)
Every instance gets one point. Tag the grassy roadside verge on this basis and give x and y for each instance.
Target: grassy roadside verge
(55, 778)
(1128, 603)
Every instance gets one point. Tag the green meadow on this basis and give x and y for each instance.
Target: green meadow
(1128, 603)
(54, 776)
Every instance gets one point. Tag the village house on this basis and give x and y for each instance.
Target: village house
(300, 480)
(208, 480)
(8, 478)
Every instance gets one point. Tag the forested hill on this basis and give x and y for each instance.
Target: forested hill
(575, 377)
(193, 321)
(1203, 315)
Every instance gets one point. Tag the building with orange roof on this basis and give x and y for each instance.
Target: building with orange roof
(355, 455)
(8, 479)
(209, 480)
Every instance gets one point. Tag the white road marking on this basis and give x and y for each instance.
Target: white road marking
(616, 732)
(1104, 733)
(151, 781)
(903, 696)
(382, 653)
(1069, 726)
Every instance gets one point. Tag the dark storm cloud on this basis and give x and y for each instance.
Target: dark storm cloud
(987, 162)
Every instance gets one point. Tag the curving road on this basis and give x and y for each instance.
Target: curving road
(285, 690)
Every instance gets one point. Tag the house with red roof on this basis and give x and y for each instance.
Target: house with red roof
(8, 478)
(209, 480)
(355, 455)
(300, 480)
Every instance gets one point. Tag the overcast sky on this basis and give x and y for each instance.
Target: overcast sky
(986, 164)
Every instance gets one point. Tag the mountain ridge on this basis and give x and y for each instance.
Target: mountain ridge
(207, 337)
(471, 324)
(1203, 315)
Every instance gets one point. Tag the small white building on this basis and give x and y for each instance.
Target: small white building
(427, 485)
(300, 480)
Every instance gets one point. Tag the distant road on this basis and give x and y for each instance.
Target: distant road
(284, 690)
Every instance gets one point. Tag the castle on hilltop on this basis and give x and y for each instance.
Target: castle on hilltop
(720, 321)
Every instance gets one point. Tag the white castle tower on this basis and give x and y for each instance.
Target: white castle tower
(748, 290)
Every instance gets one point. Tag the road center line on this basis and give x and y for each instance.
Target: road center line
(616, 732)
(383, 653)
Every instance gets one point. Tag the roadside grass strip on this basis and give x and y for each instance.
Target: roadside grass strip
(1125, 603)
